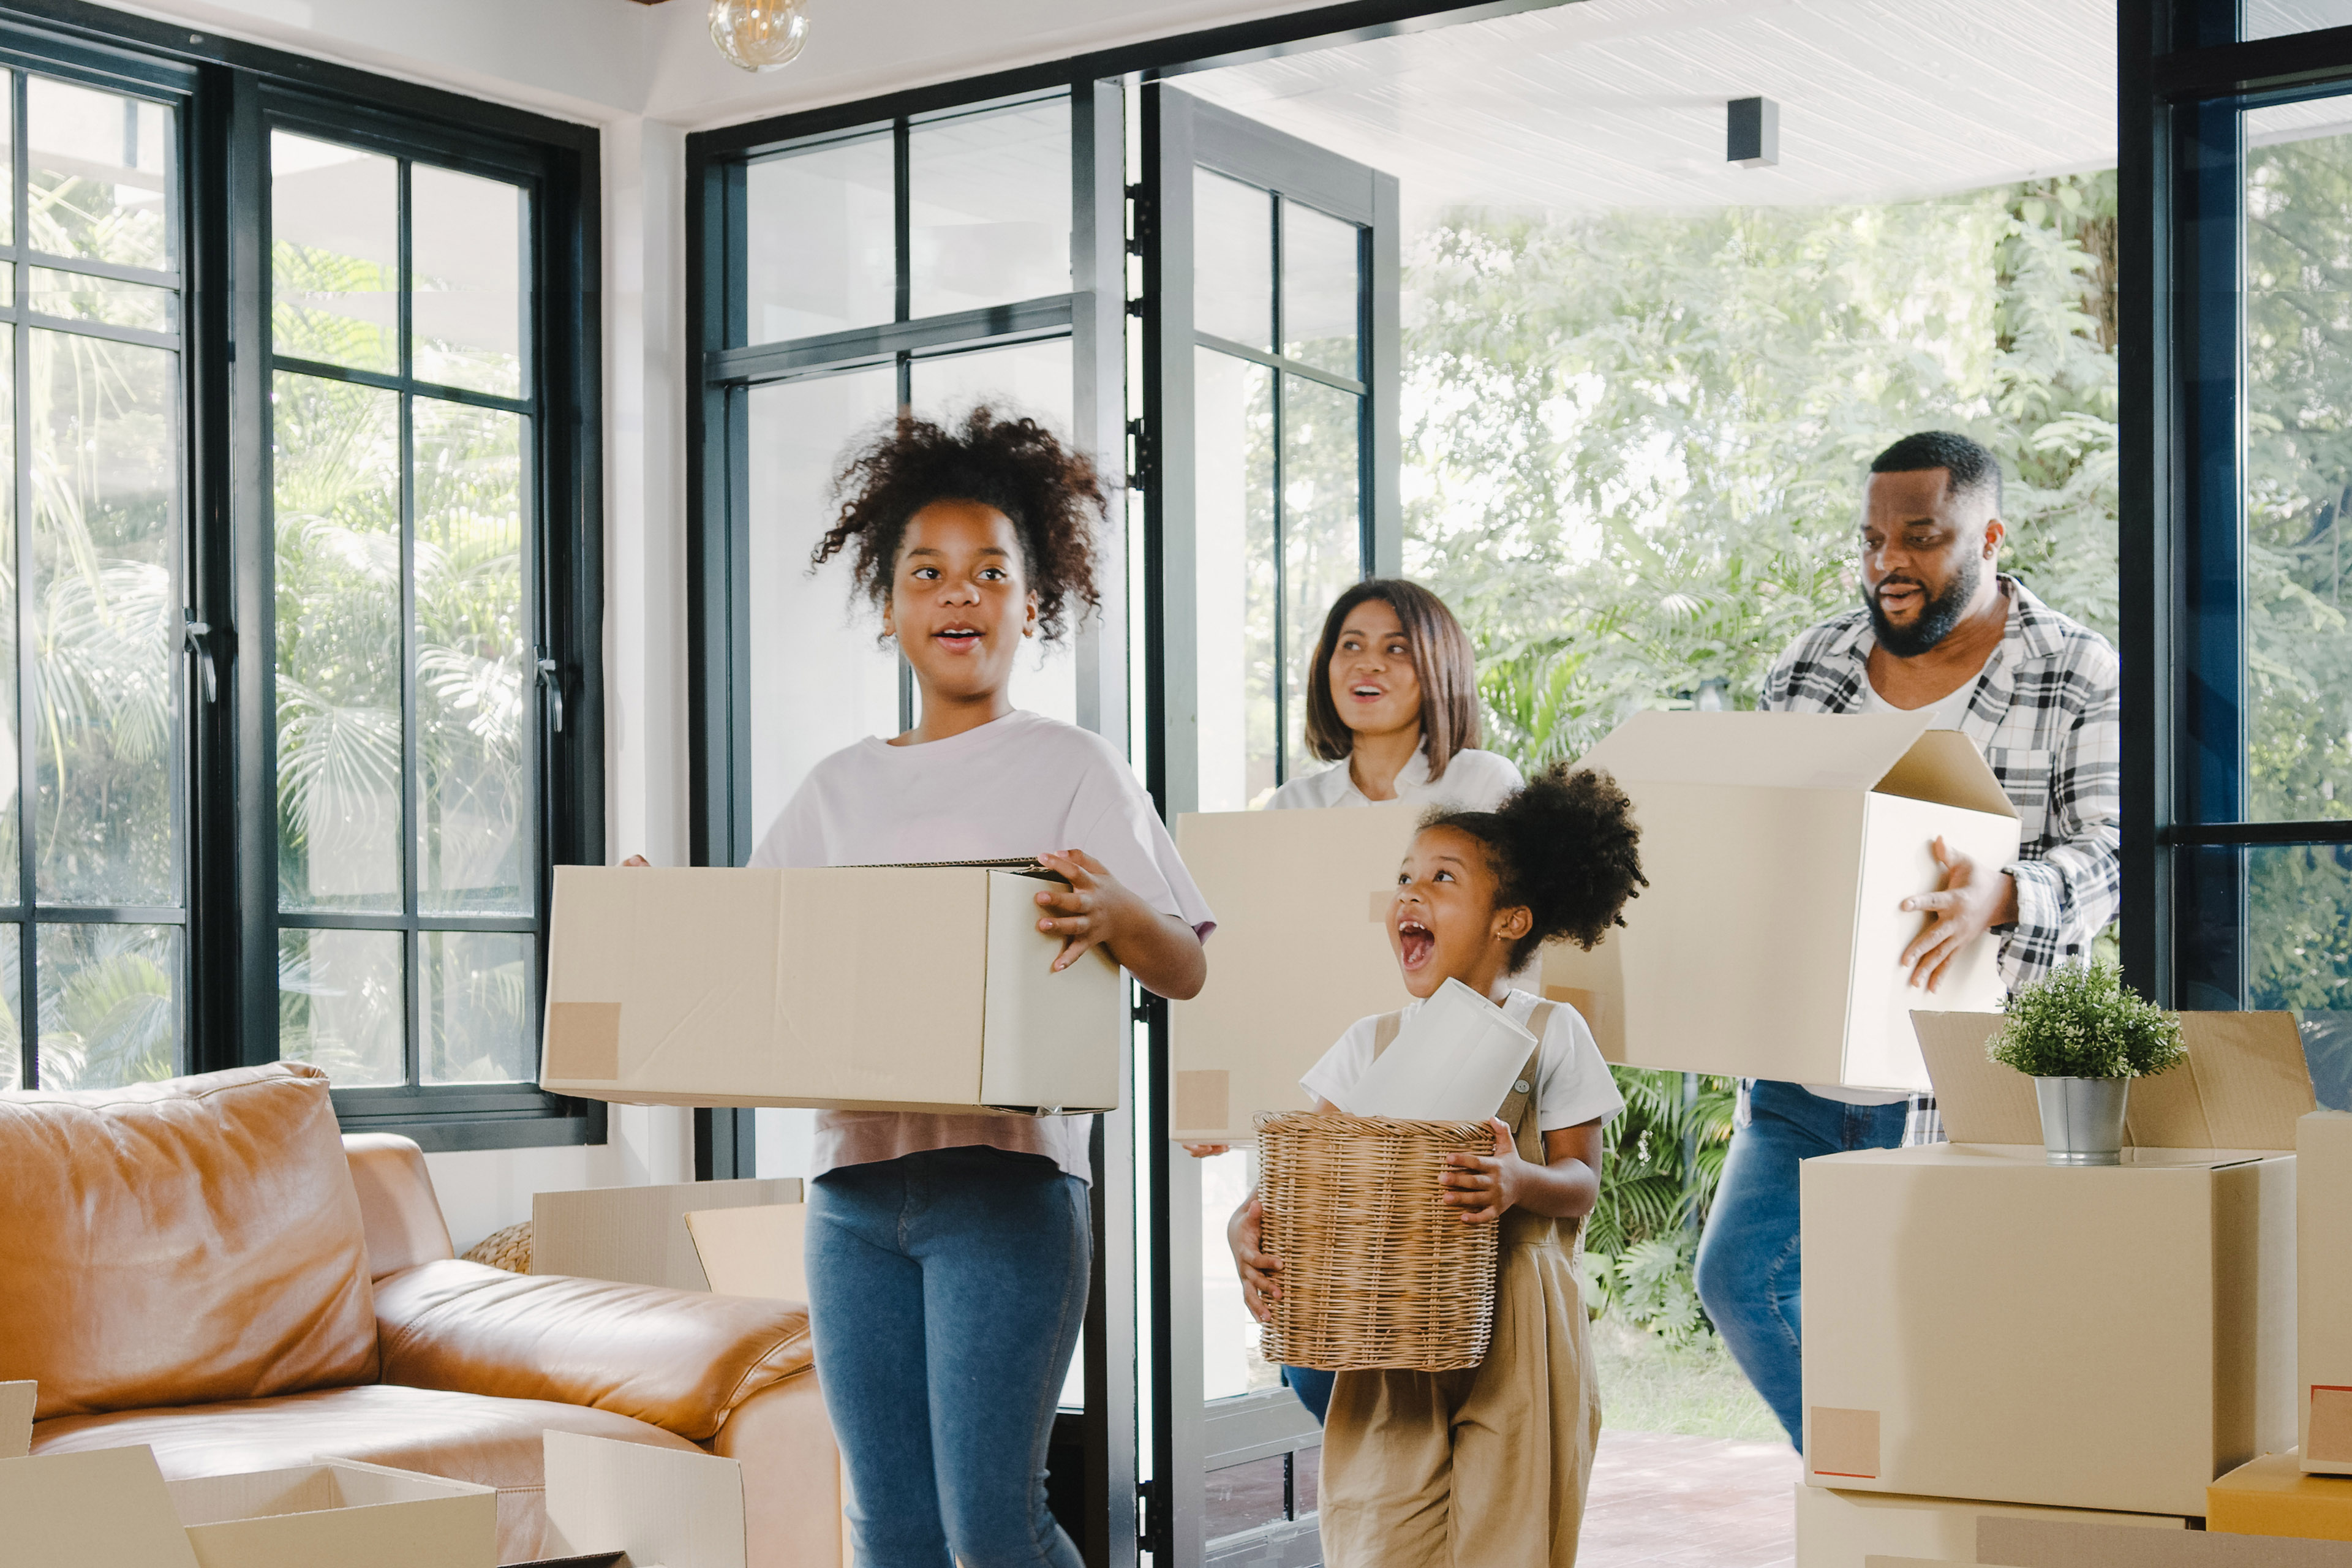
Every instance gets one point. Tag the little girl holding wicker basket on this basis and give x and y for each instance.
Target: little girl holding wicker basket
(1430, 1263)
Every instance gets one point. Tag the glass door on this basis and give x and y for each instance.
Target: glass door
(1271, 367)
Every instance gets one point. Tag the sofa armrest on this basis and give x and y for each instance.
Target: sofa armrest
(679, 1359)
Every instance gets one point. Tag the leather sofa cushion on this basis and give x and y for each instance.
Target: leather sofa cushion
(181, 1243)
(398, 1213)
(488, 1442)
(681, 1360)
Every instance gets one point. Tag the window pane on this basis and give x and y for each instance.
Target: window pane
(12, 1034)
(473, 661)
(109, 1005)
(1233, 574)
(97, 166)
(1233, 260)
(1243, 1497)
(105, 456)
(476, 1007)
(802, 624)
(10, 772)
(334, 221)
(821, 242)
(2299, 948)
(1319, 289)
(2298, 381)
(7, 155)
(1230, 1364)
(1032, 379)
(339, 1005)
(336, 462)
(1322, 533)
(82, 296)
(988, 205)
(466, 241)
(2276, 18)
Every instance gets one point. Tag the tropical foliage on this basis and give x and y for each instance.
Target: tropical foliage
(1662, 1158)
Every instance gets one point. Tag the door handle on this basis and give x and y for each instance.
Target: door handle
(551, 680)
(196, 637)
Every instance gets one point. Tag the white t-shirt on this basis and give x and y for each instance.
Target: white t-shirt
(1572, 1088)
(1021, 784)
(1473, 780)
(1944, 713)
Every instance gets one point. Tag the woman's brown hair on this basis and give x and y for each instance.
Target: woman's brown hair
(1441, 659)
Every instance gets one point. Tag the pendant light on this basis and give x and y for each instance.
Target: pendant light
(759, 35)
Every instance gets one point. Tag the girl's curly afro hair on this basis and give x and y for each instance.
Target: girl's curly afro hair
(1052, 494)
(1566, 846)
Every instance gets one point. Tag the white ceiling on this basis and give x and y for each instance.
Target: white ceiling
(1620, 102)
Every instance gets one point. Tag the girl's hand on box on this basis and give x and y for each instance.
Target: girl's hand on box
(1206, 1151)
(1260, 1288)
(636, 860)
(1096, 910)
(1483, 1185)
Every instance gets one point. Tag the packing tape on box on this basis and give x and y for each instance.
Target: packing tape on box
(1844, 1443)
(584, 1040)
(1203, 1099)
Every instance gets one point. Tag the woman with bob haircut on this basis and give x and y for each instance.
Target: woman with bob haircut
(1392, 701)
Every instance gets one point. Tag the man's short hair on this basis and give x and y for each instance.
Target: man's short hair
(1968, 469)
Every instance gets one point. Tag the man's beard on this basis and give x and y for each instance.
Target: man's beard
(1937, 618)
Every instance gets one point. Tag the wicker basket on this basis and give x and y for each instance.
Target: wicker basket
(1378, 1271)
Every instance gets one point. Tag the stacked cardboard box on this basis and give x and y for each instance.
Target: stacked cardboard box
(1983, 1327)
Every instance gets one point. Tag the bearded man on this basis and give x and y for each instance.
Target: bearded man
(1944, 632)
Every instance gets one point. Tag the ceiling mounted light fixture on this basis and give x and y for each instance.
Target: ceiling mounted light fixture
(759, 35)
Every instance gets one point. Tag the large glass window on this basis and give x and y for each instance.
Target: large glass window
(92, 842)
(405, 671)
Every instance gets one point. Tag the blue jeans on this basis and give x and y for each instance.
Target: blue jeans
(1748, 1260)
(946, 1292)
(1313, 1388)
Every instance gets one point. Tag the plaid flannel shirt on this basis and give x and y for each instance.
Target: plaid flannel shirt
(2045, 714)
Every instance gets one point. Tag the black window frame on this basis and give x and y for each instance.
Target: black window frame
(227, 94)
(2185, 75)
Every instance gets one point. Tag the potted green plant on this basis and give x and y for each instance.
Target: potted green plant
(2082, 1034)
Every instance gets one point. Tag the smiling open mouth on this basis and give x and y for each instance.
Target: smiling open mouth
(961, 638)
(1415, 942)
(1366, 693)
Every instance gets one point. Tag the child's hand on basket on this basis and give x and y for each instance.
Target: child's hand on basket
(1483, 1185)
(1259, 1289)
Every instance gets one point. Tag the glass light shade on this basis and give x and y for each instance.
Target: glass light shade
(759, 35)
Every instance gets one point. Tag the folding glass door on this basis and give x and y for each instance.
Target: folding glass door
(1271, 364)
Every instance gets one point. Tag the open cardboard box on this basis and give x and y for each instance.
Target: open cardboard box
(872, 988)
(1844, 1529)
(1779, 847)
(638, 1234)
(1981, 1325)
(753, 1251)
(2323, 1143)
(1301, 952)
(111, 1508)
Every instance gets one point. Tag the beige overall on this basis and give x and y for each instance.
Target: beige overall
(1485, 1468)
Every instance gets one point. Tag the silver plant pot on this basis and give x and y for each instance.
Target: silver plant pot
(2083, 1119)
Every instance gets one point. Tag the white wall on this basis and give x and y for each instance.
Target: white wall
(646, 76)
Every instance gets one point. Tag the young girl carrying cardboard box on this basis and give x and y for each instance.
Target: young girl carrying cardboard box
(948, 1255)
(1485, 1466)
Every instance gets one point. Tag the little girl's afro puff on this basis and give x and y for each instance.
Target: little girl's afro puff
(1566, 846)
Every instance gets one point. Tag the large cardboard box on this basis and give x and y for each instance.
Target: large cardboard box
(876, 988)
(104, 1508)
(2322, 1144)
(660, 1506)
(2272, 1496)
(1981, 1325)
(2061, 1544)
(1779, 847)
(339, 1511)
(17, 1401)
(638, 1234)
(1844, 1529)
(1301, 951)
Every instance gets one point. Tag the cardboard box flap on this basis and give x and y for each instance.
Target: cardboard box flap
(17, 1402)
(1887, 753)
(658, 1506)
(2243, 1085)
(104, 1508)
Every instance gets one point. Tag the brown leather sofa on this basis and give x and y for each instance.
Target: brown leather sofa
(207, 1266)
